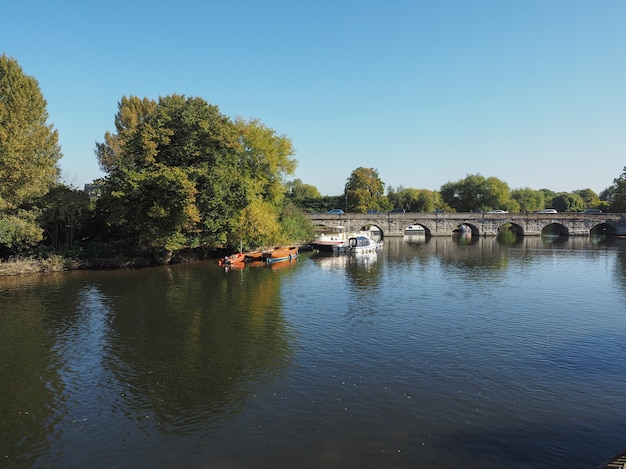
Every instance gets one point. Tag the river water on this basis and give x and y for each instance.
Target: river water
(433, 354)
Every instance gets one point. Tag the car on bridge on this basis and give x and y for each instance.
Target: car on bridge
(546, 210)
(336, 211)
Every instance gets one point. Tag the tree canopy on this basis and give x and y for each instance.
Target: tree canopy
(527, 199)
(414, 200)
(476, 192)
(180, 173)
(364, 191)
(618, 193)
(29, 153)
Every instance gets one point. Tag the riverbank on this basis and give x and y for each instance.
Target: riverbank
(57, 263)
(16, 266)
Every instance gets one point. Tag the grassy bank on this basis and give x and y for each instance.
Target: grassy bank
(29, 265)
(59, 263)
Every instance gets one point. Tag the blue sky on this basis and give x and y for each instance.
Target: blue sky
(532, 92)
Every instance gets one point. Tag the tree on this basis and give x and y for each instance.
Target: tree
(590, 198)
(182, 174)
(528, 199)
(618, 193)
(414, 200)
(476, 192)
(299, 190)
(548, 196)
(19, 231)
(64, 212)
(29, 152)
(266, 160)
(568, 202)
(171, 167)
(364, 190)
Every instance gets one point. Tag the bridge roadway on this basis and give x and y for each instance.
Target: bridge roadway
(483, 224)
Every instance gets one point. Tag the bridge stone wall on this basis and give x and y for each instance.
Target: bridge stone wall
(483, 224)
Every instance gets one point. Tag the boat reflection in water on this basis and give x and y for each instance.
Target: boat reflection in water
(342, 260)
(281, 265)
(415, 237)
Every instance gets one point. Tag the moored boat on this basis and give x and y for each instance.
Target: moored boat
(280, 254)
(329, 238)
(414, 229)
(254, 256)
(363, 244)
(236, 259)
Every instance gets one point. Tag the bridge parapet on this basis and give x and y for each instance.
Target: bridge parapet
(484, 224)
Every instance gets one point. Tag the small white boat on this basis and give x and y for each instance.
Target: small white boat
(414, 229)
(363, 244)
(329, 238)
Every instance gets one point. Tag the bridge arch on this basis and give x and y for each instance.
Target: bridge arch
(416, 229)
(466, 227)
(555, 228)
(603, 229)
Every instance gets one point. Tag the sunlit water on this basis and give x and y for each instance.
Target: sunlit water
(424, 355)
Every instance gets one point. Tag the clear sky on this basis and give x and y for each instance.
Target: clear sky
(532, 92)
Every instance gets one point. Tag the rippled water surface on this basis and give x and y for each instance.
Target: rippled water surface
(424, 355)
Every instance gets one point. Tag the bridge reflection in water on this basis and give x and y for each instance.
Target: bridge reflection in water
(479, 224)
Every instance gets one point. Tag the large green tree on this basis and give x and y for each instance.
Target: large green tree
(414, 200)
(528, 199)
(568, 202)
(591, 199)
(180, 173)
(364, 191)
(476, 192)
(29, 153)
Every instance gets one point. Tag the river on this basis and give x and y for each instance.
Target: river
(430, 354)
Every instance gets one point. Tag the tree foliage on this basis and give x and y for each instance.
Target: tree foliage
(20, 230)
(476, 192)
(182, 174)
(414, 200)
(29, 153)
(364, 190)
(297, 189)
(618, 193)
(568, 202)
(590, 198)
(527, 199)
(64, 212)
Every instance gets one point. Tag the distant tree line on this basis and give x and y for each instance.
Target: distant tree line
(364, 191)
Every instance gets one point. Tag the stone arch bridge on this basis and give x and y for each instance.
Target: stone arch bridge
(483, 224)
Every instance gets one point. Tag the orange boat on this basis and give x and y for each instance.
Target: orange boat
(281, 265)
(280, 254)
(235, 260)
(254, 256)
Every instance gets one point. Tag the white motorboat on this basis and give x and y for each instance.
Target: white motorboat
(363, 244)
